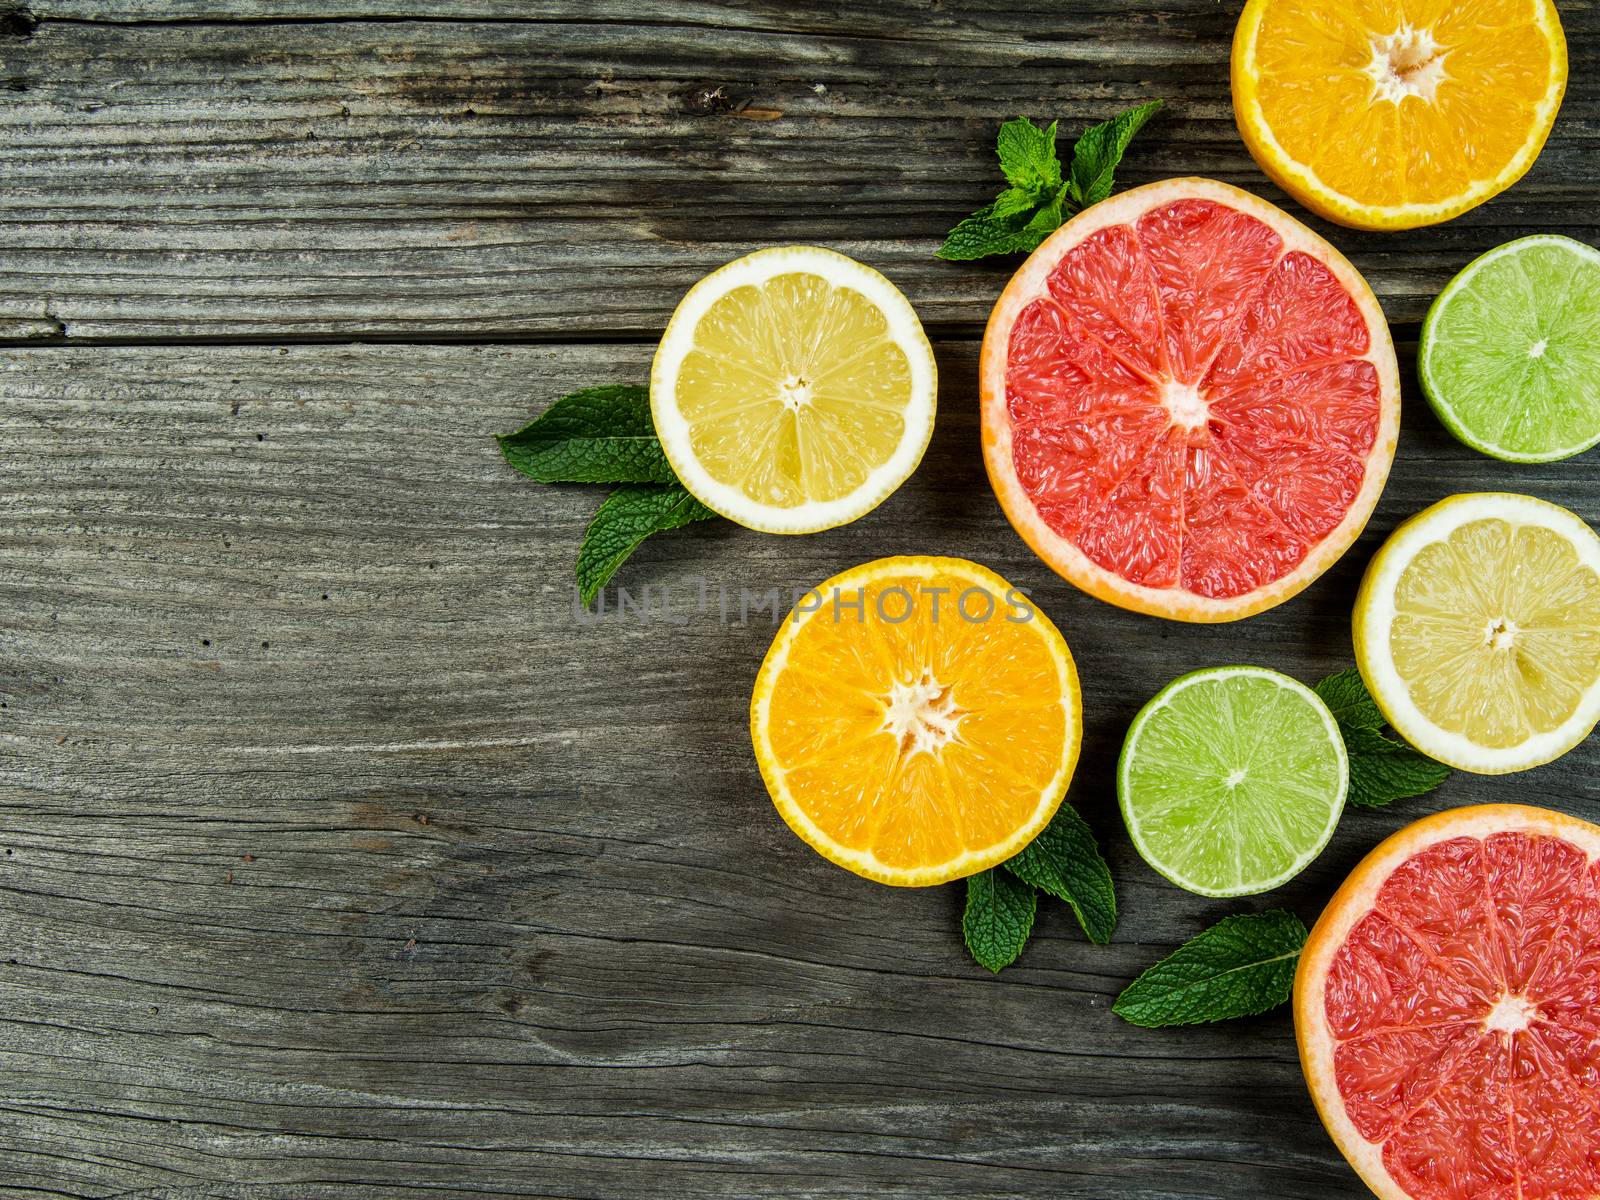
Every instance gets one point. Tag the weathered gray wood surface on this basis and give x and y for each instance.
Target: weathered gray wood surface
(336, 859)
(405, 881)
(570, 168)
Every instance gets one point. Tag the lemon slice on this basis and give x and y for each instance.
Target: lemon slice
(1477, 630)
(793, 390)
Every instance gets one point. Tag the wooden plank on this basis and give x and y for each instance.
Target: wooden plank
(339, 861)
(572, 172)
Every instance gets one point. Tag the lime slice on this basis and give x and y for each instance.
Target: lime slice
(1232, 780)
(1477, 630)
(1509, 358)
(793, 390)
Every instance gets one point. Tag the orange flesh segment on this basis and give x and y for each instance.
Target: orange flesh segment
(869, 790)
(1465, 1011)
(1190, 405)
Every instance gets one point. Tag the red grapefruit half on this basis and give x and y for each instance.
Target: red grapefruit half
(1190, 401)
(1447, 1007)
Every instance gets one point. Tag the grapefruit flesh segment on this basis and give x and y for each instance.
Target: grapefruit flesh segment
(1193, 403)
(1461, 1013)
(1208, 263)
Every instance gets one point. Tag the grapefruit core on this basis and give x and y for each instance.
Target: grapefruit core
(1190, 401)
(1447, 1006)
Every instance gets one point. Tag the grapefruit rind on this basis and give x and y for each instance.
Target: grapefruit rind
(753, 270)
(1063, 555)
(1353, 901)
(864, 863)
(1301, 182)
(1374, 616)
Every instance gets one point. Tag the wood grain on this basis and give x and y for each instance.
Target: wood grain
(338, 860)
(338, 857)
(559, 171)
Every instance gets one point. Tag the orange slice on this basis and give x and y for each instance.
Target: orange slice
(917, 720)
(1389, 114)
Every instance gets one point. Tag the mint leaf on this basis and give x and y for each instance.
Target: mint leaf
(1241, 966)
(1007, 204)
(625, 518)
(1383, 770)
(1096, 154)
(998, 917)
(978, 237)
(1043, 223)
(1349, 701)
(1038, 200)
(1065, 861)
(597, 435)
(1028, 156)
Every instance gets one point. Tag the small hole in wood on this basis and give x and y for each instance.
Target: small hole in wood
(17, 22)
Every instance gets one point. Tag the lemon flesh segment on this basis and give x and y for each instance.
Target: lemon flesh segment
(793, 390)
(913, 748)
(1482, 646)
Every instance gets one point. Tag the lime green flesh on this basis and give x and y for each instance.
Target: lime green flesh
(1510, 352)
(1232, 780)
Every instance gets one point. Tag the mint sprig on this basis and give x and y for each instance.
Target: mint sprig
(1064, 861)
(1382, 769)
(1040, 197)
(1241, 966)
(1097, 152)
(606, 435)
